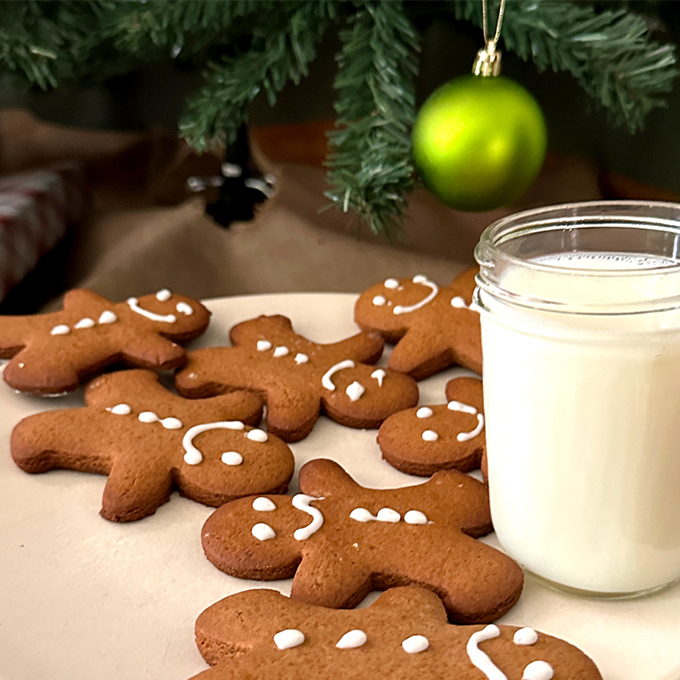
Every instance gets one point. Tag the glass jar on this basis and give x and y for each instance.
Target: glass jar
(580, 320)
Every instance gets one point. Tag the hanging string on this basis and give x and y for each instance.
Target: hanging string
(491, 44)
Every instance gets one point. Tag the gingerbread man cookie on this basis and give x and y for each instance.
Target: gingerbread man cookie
(433, 326)
(299, 378)
(401, 636)
(55, 353)
(340, 540)
(420, 441)
(149, 441)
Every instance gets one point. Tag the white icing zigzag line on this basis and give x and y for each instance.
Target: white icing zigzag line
(400, 309)
(481, 660)
(134, 306)
(302, 502)
(326, 379)
(193, 456)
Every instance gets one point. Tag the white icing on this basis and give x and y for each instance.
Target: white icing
(193, 456)
(133, 303)
(459, 303)
(388, 515)
(281, 351)
(301, 358)
(163, 295)
(232, 458)
(302, 502)
(415, 517)
(171, 423)
(391, 283)
(465, 436)
(355, 390)
(430, 436)
(61, 329)
(184, 308)
(379, 300)
(263, 532)
(148, 417)
(463, 408)
(424, 412)
(326, 379)
(107, 317)
(121, 409)
(86, 322)
(263, 345)
(257, 435)
(289, 638)
(434, 290)
(263, 504)
(379, 374)
(525, 636)
(538, 670)
(415, 644)
(361, 515)
(481, 660)
(352, 639)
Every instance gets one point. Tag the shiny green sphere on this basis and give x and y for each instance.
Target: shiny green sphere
(479, 142)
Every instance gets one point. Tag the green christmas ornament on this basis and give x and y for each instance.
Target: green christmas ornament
(479, 141)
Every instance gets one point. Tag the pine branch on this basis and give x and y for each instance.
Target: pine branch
(370, 166)
(609, 53)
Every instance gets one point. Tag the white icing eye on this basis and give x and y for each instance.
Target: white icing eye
(419, 278)
(415, 517)
(184, 308)
(263, 345)
(355, 638)
(193, 457)
(388, 515)
(289, 638)
(262, 504)
(379, 300)
(121, 410)
(163, 295)
(355, 390)
(85, 323)
(263, 532)
(107, 317)
(148, 417)
(458, 302)
(538, 670)
(281, 351)
(301, 358)
(232, 458)
(424, 412)
(391, 283)
(171, 423)
(257, 435)
(61, 329)
(525, 636)
(379, 374)
(415, 644)
(430, 436)
(361, 515)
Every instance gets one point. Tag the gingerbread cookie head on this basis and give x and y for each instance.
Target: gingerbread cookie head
(56, 352)
(423, 440)
(342, 540)
(433, 326)
(149, 441)
(403, 635)
(299, 378)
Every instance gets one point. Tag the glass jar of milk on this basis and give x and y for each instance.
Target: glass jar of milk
(580, 318)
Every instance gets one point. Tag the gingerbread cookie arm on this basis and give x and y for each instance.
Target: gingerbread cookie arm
(365, 347)
(420, 354)
(292, 419)
(14, 333)
(81, 299)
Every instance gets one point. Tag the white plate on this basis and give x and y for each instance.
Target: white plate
(83, 598)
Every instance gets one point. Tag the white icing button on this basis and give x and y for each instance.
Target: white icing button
(263, 532)
(148, 417)
(379, 300)
(415, 517)
(458, 302)
(424, 412)
(232, 458)
(262, 504)
(163, 295)
(193, 457)
(355, 638)
(184, 308)
(301, 358)
(430, 436)
(121, 410)
(257, 435)
(391, 283)
(263, 345)
(171, 423)
(361, 515)
(85, 323)
(355, 390)
(379, 374)
(281, 351)
(289, 638)
(538, 670)
(388, 515)
(415, 644)
(61, 329)
(106, 317)
(525, 636)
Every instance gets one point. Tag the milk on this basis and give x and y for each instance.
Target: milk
(583, 422)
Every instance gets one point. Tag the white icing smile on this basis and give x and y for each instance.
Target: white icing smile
(302, 502)
(471, 410)
(133, 302)
(327, 381)
(424, 281)
(193, 456)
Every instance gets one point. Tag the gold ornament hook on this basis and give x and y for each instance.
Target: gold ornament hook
(488, 59)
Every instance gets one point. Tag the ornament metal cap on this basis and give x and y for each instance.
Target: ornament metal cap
(487, 61)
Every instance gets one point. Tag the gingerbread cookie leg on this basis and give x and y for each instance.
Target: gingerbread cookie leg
(32, 371)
